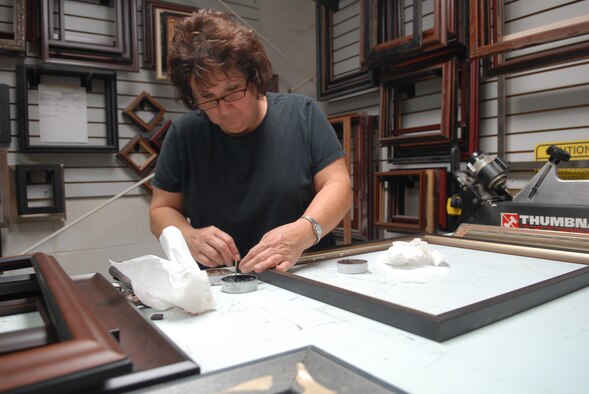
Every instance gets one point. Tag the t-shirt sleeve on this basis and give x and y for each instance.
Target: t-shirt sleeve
(324, 144)
(168, 173)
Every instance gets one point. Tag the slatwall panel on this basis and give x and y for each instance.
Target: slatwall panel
(346, 36)
(6, 12)
(427, 20)
(548, 105)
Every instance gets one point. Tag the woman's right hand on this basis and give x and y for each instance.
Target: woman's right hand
(211, 247)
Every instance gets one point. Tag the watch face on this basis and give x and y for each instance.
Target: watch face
(318, 230)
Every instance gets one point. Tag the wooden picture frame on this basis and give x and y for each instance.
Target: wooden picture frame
(15, 39)
(82, 354)
(145, 103)
(383, 41)
(164, 22)
(391, 128)
(150, 27)
(488, 41)
(355, 132)
(65, 45)
(88, 303)
(391, 208)
(141, 146)
(450, 324)
(28, 78)
(333, 83)
(157, 138)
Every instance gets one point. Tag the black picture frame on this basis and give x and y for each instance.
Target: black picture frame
(28, 76)
(5, 134)
(53, 176)
(449, 324)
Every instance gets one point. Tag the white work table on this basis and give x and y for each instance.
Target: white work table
(541, 350)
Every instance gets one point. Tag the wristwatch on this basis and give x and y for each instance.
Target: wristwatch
(317, 229)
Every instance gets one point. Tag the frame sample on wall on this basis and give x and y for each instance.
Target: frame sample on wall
(101, 93)
(164, 25)
(393, 92)
(13, 30)
(139, 155)
(40, 189)
(496, 37)
(429, 110)
(400, 200)
(411, 200)
(448, 324)
(355, 133)
(395, 30)
(149, 26)
(86, 336)
(108, 41)
(141, 105)
(338, 41)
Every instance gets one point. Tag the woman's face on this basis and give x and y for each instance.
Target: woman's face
(238, 114)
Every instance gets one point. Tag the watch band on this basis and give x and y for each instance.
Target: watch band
(317, 229)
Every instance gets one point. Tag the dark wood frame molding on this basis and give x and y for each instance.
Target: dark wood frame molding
(84, 315)
(356, 133)
(449, 324)
(144, 102)
(157, 138)
(120, 55)
(83, 354)
(444, 131)
(29, 76)
(15, 41)
(133, 146)
(379, 48)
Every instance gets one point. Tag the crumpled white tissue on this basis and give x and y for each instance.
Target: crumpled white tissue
(175, 282)
(416, 252)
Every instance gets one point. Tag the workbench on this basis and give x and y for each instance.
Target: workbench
(543, 349)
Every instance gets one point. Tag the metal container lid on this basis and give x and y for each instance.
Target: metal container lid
(240, 283)
(352, 266)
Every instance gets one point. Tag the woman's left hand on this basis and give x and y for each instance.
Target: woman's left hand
(279, 248)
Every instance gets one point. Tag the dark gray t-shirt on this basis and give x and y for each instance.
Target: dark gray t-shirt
(249, 184)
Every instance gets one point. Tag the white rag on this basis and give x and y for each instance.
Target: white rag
(177, 281)
(416, 252)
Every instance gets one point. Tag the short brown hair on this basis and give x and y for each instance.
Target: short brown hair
(208, 42)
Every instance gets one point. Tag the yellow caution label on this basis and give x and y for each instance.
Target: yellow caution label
(579, 150)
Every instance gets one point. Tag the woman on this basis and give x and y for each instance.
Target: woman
(246, 175)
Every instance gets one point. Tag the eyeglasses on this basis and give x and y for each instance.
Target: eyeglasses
(233, 96)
